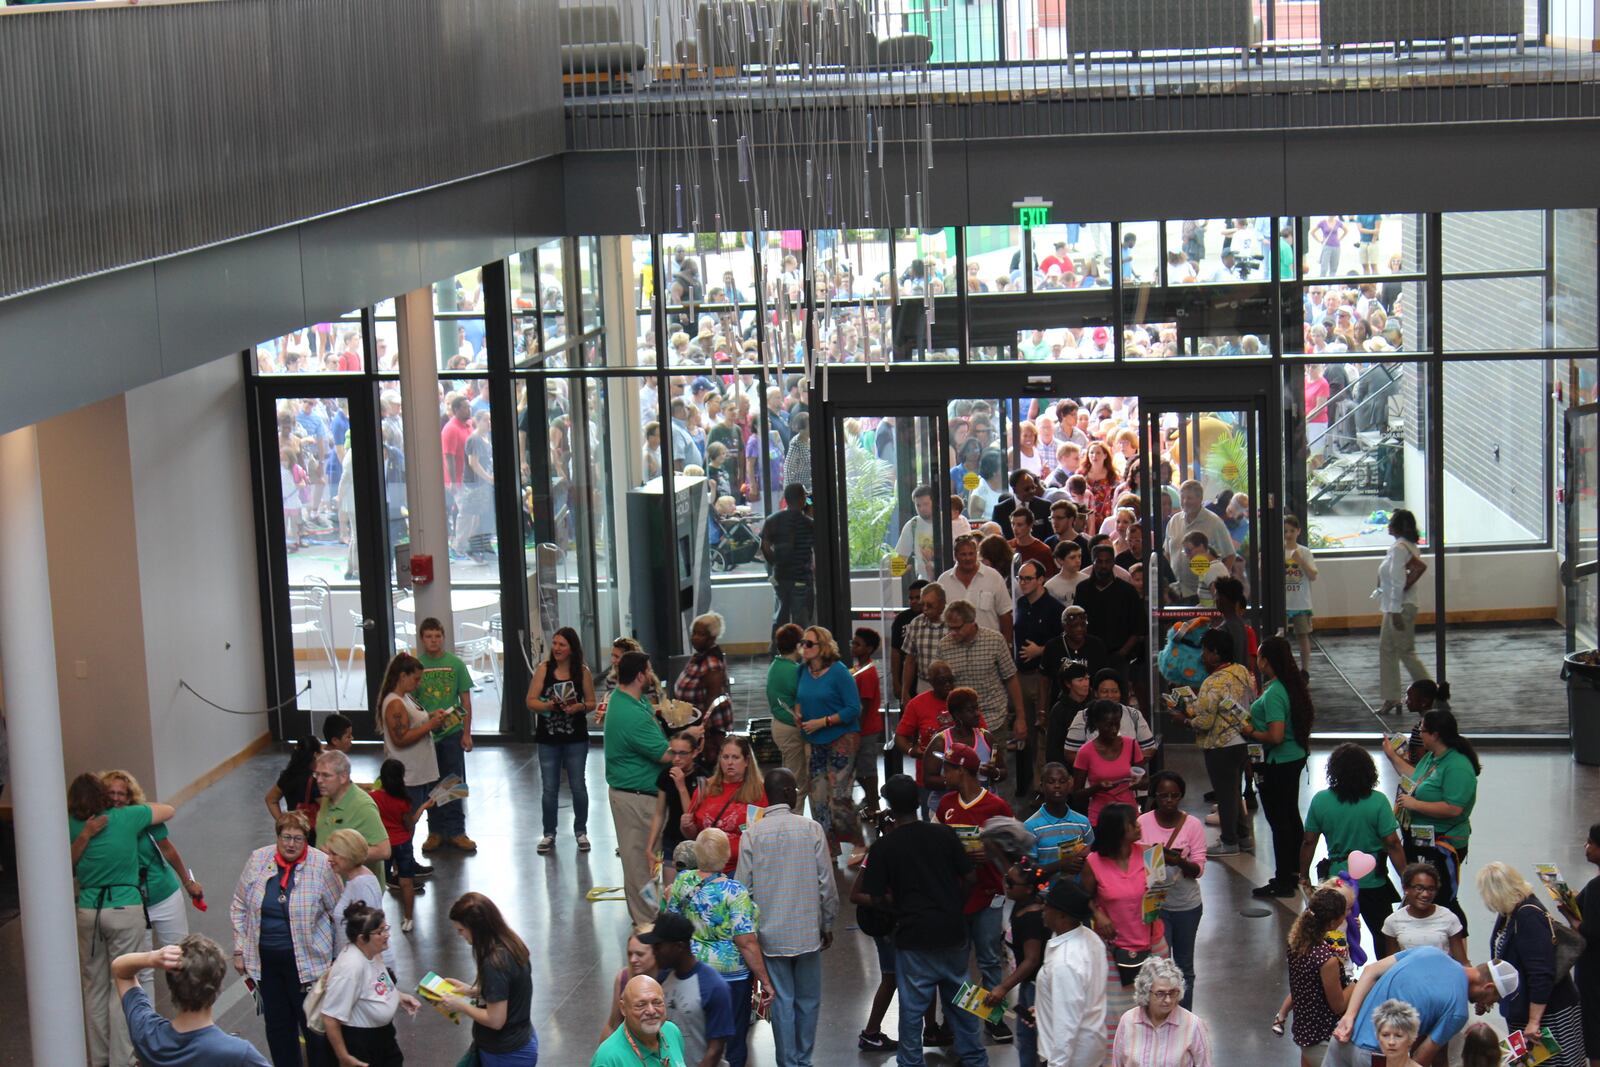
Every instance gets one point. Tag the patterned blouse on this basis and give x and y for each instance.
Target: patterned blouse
(1314, 1020)
(721, 909)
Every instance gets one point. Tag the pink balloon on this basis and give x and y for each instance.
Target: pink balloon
(1361, 865)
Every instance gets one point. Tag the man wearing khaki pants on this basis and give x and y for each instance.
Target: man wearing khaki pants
(636, 751)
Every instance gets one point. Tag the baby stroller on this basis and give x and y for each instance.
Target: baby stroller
(736, 543)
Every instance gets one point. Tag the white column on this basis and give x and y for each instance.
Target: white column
(425, 496)
(33, 717)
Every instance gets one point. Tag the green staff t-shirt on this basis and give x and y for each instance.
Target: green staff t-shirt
(1358, 827)
(1270, 707)
(110, 863)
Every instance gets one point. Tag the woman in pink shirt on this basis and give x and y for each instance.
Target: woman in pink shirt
(1114, 878)
(1317, 392)
(1104, 766)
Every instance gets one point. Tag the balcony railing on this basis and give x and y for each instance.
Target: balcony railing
(1087, 66)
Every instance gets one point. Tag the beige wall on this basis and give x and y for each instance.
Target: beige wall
(200, 602)
(153, 578)
(94, 591)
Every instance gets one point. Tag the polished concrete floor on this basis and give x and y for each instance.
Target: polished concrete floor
(1535, 806)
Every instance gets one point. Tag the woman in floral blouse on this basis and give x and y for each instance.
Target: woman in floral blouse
(724, 920)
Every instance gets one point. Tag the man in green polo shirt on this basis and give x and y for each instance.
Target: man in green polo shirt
(346, 805)
(446, 686)
(645, 1038)
(636, 750)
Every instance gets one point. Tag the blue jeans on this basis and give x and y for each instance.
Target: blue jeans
(1027, 1036)
(449, 820)
(919, 975)
(553, 759)
(796, 1001)
(987, 932)
(526, 1056)
(738, 1049)
(1181, 929)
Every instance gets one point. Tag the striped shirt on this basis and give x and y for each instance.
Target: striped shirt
(1180, 1041)
(984, 664)
(785, 865)
(922, 641)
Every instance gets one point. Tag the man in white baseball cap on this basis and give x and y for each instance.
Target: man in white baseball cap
(1441, 990)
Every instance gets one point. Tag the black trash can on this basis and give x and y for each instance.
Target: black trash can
(1582, 673)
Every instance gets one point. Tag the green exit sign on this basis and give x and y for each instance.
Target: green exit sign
(1031, 216)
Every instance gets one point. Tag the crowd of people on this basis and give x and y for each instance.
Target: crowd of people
(1033, 881)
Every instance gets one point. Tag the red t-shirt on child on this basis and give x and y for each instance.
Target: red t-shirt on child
(393, 810)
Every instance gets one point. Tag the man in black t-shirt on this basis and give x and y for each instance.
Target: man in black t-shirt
(1116, 614)
(920, 872)
(787, 541)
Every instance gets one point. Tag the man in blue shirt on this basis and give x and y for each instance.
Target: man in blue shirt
(1430, 981)
(697, 997)
(195, 969)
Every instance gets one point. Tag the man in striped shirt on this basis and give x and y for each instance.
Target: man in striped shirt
(785, 864)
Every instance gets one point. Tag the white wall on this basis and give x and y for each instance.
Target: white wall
(188, 447)
(1573, 20)
(1477, 582)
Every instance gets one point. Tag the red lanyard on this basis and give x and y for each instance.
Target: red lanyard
(665, 1062)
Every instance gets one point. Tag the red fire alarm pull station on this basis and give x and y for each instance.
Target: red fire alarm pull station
(421, 570)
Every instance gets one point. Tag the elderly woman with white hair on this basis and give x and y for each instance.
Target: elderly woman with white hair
(705, 678)
(1396, 1024)
(1158, 1031)
(1525, 937)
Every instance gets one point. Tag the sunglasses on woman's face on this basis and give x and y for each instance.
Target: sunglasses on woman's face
(808, 644)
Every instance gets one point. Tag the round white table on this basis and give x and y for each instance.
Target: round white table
(461, 601)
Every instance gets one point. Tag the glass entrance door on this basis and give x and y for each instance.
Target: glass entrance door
(334, 514)
(1580, 572)
(891, 499)
(1200, 493)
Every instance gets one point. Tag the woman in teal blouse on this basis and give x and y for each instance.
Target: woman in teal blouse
(1280, 722)
(1436, 799)
(829, 709)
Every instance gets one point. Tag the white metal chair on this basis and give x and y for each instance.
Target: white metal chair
(308, 607)
(495, 631)
(475, 652)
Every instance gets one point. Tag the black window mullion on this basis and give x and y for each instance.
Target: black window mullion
(498, 339)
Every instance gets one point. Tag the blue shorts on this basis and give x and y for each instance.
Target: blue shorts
(402, 861)
(886, 955)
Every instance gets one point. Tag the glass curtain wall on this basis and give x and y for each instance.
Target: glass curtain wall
(1425, 360)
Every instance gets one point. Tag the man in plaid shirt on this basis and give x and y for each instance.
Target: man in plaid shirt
(981, 660)
(921, 644)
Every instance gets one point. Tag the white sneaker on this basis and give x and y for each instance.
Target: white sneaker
(407, 926)
(547, 844)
